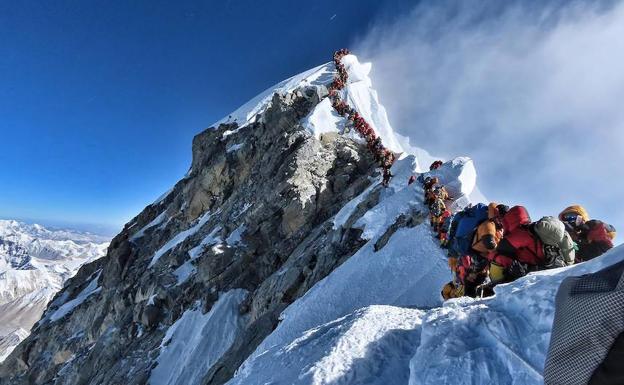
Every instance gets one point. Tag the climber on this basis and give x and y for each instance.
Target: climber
(443, 226)
(469, 268)
(596, 238)
(437, 208)
(518, 251)
(593, 237)
(489, 232)
(435, 165)
(445, 229)
(529, 246)
(573, 217)
(472, 271)
(428, 185)
(559, 249)
(463, 227)
(452, 290)
(411, 179)
(383, 156)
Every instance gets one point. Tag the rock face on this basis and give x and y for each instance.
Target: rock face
(252, 214)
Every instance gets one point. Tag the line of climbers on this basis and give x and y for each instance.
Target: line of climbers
(383, 156)
(492, 244)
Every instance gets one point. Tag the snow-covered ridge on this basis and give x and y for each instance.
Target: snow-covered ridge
(337, 333)
(356, 302)
(359, 94)
(34, 264)
(359, 325)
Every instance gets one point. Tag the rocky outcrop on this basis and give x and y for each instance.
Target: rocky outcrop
(253, 213)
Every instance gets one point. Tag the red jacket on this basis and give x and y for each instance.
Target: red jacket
(518, 243)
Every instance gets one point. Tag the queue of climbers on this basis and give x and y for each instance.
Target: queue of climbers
(383, 156)
(487, 244)
(495, 243)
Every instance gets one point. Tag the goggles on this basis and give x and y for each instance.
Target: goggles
(573, 219)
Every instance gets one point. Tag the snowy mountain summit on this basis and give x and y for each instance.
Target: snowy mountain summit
(34, 263)
(280, 259)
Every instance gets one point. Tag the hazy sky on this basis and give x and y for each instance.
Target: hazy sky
(533, 92)
(100, 101)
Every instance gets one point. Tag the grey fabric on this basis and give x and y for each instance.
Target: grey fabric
(552, 232)
(589, 316)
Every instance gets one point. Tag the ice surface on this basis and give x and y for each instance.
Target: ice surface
(91, 289)
(184, 272)
(235, 237)
(196, 341)
(179, 238)
(208, 240)
(234, 147)
(155, 222)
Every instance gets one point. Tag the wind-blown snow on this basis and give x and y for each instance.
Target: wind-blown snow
(361, 96)
(196, 341)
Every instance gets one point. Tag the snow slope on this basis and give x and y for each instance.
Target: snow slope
(198, 340)
(34, 264)
(379, 318)
(406, 273)
(248, 112)
(360, 326)
(359, 94)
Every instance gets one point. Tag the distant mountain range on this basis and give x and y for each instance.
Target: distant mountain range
(34, 263)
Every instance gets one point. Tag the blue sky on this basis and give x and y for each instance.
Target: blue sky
(100, 100)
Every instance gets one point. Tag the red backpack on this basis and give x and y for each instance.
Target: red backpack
(598, 232)
(515, 217)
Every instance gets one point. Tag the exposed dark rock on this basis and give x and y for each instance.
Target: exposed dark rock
(280, 189)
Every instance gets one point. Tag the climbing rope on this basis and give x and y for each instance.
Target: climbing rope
(384, 157)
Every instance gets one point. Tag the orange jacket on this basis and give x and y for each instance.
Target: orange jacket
(487, 235)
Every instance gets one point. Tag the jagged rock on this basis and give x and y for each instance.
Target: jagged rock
(273, 183)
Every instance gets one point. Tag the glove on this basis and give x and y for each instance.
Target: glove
(517, 270)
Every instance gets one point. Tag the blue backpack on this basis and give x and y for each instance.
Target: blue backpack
(467, 223)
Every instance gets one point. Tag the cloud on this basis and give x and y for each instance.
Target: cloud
(534, 94)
